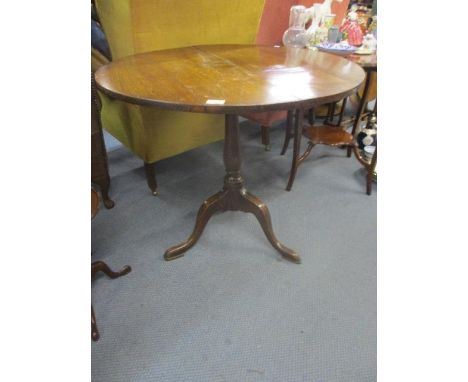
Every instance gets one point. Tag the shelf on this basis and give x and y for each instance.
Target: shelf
(329, 135)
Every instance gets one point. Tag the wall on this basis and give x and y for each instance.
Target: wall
(275, 18)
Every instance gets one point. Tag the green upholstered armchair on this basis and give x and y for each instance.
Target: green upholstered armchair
(136, 26)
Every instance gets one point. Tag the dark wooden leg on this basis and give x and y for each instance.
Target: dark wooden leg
(252, 204)
(100, 266)
(288, 133)
(233, 197)
(99, 162)
(297, 147)
(304, 156)
(207, 209)
(311, 116)
(325, 122)
(104, 186)
(266, 137)
(331, 114)
(340, 118)
(94, 329)
(151, 178)
(370, 172)
(361, 107)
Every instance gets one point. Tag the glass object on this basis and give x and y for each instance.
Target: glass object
(333, 34)
(329, 20)
(321, 35)
(295, 35)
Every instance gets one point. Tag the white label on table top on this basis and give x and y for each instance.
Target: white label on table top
(215, 101)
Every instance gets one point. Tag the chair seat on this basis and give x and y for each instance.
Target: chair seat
(329, 135)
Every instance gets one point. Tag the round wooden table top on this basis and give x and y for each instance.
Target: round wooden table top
(230, 79)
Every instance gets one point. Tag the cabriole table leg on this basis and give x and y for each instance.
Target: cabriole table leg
(233, 197)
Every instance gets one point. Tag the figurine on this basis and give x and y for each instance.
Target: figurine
(319, 11)
(368, 135)
(352, 29)
(313, 13)
(326, 7)
(369, 42)
(299, 16)
(322, 19)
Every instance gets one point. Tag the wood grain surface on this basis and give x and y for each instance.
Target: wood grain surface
(230, 79)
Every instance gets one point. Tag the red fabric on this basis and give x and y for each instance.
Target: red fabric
(266, 118)
(354, 32)
(274, 21)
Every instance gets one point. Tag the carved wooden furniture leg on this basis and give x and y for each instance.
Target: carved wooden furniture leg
(288, 133)
(151, 178)
(297, 147)
(252, 204)
(370, 167)
(343, 106)
(266, 137)
(331, 114)
(108, 202)
(233, 197)
(340, 117)
(311, 116)
(100, 266)
(94, 329)
(301, 159)
(208, 208)
(370, 172)
(361, 107)
(327, 117)
(99, 164)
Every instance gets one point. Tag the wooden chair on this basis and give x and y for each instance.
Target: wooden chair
(99, 166)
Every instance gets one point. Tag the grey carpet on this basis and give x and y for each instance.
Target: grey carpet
(232, 309)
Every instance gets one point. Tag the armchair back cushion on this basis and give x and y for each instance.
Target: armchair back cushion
(136, 26)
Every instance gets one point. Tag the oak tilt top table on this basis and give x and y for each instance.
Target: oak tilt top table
(231, 80)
